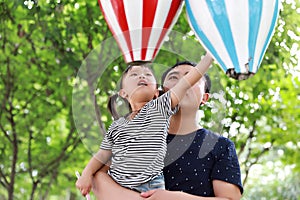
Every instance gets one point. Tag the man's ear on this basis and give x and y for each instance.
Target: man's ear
(123, 94)
(165, 89)
(205, 98)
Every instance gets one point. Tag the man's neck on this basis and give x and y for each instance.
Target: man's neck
(183, 123)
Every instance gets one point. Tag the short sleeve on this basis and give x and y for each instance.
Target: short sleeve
(164, 105)
(107, 142)
(227, 166)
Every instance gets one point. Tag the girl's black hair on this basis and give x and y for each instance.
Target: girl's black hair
(112, 101)
(111, 105)
(207, 85)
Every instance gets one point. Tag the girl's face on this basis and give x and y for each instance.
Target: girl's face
(195, 95)
(139, 84)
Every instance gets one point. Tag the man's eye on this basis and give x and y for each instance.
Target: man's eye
(173, 77)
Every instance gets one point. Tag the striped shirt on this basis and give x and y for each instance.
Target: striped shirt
(139, 145)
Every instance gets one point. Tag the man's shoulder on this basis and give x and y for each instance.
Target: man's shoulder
(215, 136)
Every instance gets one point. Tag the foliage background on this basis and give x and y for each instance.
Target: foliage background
(43, 45)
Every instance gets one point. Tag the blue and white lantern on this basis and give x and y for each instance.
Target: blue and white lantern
(235, 32)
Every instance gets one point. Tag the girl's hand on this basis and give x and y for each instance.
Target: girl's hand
(147, 194)
(155, 194)
(84, 184)
(165, 195)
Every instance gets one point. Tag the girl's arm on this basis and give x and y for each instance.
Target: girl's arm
(84, 183)
(194, 75)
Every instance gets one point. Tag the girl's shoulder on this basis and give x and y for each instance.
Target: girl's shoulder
(116, 123)
(162, 97)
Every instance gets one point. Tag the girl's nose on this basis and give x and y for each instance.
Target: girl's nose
(142, 76)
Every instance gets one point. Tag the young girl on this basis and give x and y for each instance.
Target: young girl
(136, 144)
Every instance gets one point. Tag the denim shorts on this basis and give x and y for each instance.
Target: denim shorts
(157, 182)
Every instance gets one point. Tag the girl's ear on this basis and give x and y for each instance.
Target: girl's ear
(123, 94)
(205, 98)
(156, 94)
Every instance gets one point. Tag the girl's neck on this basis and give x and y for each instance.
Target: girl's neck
(131, 115)
(137, 106)
(135, 109)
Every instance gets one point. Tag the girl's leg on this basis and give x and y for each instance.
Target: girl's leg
(104, 188)
(158, 182)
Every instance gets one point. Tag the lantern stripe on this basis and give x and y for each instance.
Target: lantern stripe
(134, 8)
(172, 17)
(220, 18)
(262, 35)
(108, 13)
(254, 26)
(159, 21)
(120, 14)
(200, 27)
(237, 17)
(273, 18)
(149, 10)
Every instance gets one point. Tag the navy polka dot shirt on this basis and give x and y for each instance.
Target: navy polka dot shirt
(193, 161)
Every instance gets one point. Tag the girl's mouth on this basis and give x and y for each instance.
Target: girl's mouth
(142, 83)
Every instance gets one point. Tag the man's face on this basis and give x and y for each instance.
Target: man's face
(194, 95)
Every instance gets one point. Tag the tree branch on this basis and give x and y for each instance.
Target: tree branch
(15, 151)
(62, 156)
(91, 79)
(34, 186)
(255, 160)
(5, 133)
(250, 136)
(53, 177)
(5, 183)
(8, 86)
(29, 158)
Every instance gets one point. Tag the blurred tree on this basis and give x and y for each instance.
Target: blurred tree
(42, 45)
(52, 98)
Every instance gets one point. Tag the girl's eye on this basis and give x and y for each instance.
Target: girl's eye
(148, 74)
(133, 74)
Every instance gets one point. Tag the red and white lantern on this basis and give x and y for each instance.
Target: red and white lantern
(140, 26)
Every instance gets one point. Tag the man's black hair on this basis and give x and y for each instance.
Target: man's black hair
(207, 86)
